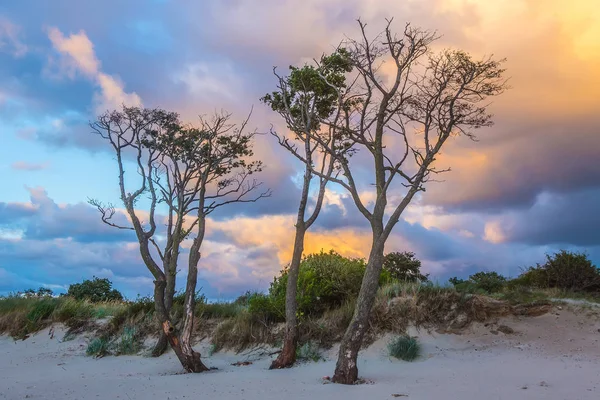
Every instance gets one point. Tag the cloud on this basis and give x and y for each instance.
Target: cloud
(206, 81)
(528, 186)
(27, 166)
(494, 174)
(77, 56)
(554, 218)
(10, 38)
(43, 219)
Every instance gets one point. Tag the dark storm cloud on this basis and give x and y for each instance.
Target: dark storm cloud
(44, 219)
(565, 218)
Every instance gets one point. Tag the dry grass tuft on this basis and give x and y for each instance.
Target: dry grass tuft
(241, 332)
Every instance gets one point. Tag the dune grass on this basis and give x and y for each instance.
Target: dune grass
(20, 317)
(122, 326)
(404, 348)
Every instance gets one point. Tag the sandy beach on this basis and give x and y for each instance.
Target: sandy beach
(554, 356)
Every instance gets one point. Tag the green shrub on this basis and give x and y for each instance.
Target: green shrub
(266, 308)
(95, 290)
(563, 270)
(404, 348)
(325, 281)
(41, 292)
(98, 347)
(404, 267)
(491, 282)
(480, 283)
(456, 281)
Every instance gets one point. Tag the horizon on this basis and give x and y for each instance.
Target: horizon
(528, 187)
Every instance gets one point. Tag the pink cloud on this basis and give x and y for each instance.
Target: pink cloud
(28, 166)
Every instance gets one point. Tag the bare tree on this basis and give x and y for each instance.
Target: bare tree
(403, 106)
(194, 171)
(303, 99)
(126, 131)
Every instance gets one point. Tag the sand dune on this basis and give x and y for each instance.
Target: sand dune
(555, 356)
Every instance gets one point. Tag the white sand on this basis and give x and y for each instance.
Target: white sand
(549, 357)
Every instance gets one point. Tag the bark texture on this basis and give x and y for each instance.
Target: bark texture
(170, 267)
(287, 357)
(189, 359)
(346, 370)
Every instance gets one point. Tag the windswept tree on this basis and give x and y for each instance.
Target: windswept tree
(193, 171)
(303, 99)
(402, 105)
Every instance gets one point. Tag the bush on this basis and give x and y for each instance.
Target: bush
(491, 282)
(480, 283)
(41, 292)
(95, 290)
(404, 348)
(326, 281)
(563, 270)
(404, 267)
(266, 308)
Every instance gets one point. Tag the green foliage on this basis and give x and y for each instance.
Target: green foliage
(491, 282)
(325, 281)
(563, 270)
(404, 348)
(313, 88)
(95, 290)
(456, 281)
(309, 351)
(98, 347)
(404, 267)
(480, 283)
(266, 308)
(41, 292)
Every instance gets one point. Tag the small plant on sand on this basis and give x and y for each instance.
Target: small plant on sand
(129, 343)
(212, 349)
(98, 347)
(309, 351)
(404, 348)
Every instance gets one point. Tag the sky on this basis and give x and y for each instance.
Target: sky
(529, 186)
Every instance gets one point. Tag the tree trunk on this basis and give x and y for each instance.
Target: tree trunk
(170, 272)
(189, 359)
(161, 345)
(346, 370)
(287, 357)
